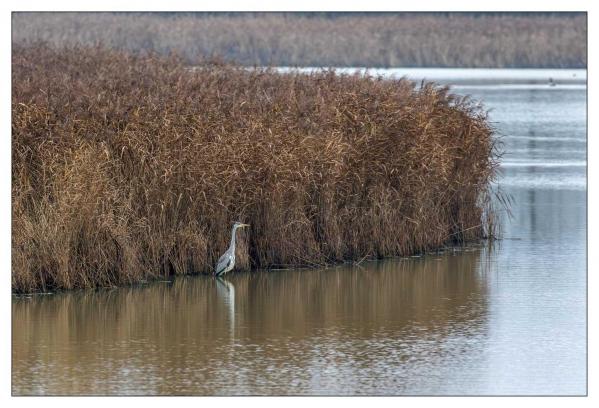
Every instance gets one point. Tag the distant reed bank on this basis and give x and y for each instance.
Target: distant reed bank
(466, 40)
(130, 167)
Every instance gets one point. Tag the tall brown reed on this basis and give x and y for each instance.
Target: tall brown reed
(129, 167)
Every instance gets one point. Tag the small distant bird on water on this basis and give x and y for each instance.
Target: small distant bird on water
(227, 261)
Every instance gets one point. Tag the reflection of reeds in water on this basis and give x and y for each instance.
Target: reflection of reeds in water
(168, 331)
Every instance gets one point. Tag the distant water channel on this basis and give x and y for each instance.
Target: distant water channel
(506, 320)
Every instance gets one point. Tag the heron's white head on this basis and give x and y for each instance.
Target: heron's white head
(240, 225)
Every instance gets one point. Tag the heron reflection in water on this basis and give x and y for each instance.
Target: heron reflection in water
(226, 291)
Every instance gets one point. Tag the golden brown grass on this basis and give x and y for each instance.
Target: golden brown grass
(134, 167)
(348, 39)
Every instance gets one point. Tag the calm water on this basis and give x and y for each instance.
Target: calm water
(505, 320)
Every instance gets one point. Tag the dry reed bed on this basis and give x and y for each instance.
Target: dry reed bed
(342, 39)
(129, 167)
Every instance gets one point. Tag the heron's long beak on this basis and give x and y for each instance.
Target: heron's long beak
(244, 225)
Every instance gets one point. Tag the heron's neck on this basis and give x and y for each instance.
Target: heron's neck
(233, 237)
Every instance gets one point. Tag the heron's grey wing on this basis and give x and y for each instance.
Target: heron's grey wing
(222, 263)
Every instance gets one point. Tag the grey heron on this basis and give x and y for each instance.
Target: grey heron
(227, 261)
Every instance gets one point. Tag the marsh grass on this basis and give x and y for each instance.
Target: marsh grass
(483, 40)
(133, 167)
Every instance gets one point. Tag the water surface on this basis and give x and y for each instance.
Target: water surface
(510, 319)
